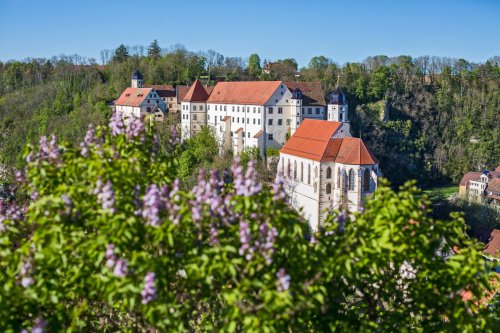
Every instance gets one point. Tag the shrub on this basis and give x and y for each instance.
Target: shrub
(108, 241)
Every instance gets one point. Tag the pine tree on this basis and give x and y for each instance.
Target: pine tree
(121, 54)
(154, 50)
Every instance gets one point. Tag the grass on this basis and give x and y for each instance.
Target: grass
(441, 192)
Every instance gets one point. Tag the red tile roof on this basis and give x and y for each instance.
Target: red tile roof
(133, 96)
(313, 140)
(468, 177)
(181, 92)
(226, 118)
(312, 92)
(493, 246)
(494, 185)
(196, 93)
(239, 130)
(249, 92)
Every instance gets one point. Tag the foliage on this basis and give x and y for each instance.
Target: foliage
(154, 50)
(109, 242)
(254, 65)
(272, 152)
(121, 54)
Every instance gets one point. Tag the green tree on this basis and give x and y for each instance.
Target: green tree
(319, 63)
(254, 65)
(121, 54)
(154, 50)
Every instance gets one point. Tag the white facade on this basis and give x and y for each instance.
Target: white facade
(193, 117)
(152, 103)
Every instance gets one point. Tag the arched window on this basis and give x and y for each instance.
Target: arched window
(309, 173)
(295, 170)
(301, 171)
(366, 180)
(328, 188)
(288, 169)
(282, 166)
(339, 178)
(328, 173)
(351, 180)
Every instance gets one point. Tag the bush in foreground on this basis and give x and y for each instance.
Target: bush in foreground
(109, 242)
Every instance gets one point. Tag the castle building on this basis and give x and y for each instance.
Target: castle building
(140, 102)
(324, 168)
(481, 186)
(258, 114)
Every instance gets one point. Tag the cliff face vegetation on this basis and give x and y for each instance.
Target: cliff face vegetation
(426, 118)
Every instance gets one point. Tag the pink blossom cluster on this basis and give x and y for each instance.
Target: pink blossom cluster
(119, 266)
(148, 293)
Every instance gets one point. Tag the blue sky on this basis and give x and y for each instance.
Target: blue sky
(344, 31)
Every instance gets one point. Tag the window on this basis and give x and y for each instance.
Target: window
(341, 118)
(270, 137)
(216, 108)
(254, 109)
(270, 110)
(232, 119)
(248, 109)
(220, 117)
(366, 180)
(238, 120)
(258, 110)
(287, 168)
(303, 110)
(351, 180)
(309, 173)
(248, 134)
(328, 173)
(194, 107)
(309, 110)
(233, 108)
(170, 106)
(208, 117)
(328, 188)
(254, 121)
(280, 110)
(317, 110)
(301, 171)
(288, 121)
(282, 166)
(280, 122)
(270, 122)
(248, 120)
(258, 121)
(195, 117)
(201, 107)
(281, 93)
(295, 170)
(224, 108)
(238, 109)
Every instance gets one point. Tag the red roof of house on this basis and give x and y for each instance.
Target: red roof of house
(314, 140)
(494, 185)
(196, 93)
(181, 92)
(249, 92)
(493, 246)
(468, 177)
(133, 96)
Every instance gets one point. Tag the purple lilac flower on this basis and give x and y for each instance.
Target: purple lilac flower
(116, 124)
(110, 255)
(341, 221)
(48, 150)
(87, 141)
(245, 239)
(174, 137)
(148, 293)
(266, 245)
(134, 128)
(214, 236)
(121, 268)
(26, 273)
(245, 184)
(153, 205)
(40, 325)
(105, 195)
(9, 212)
(20, 177)
(278, 189)
(283, 283)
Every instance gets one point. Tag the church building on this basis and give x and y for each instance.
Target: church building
(324, 168)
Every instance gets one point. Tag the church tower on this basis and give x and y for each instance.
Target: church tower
(337, 106)
(137, 79)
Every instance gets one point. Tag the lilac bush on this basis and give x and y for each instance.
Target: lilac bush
(111, 240)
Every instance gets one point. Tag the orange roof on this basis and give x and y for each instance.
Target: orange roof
(493, 246)
(196, 93)
(181, 92)
(468, 177)
(133, 96)
(314, 140)
(209, 89)
(494, 185)
(249, 92)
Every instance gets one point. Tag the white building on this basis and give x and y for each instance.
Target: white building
(325, 168)
(258, 114)
(140, 102)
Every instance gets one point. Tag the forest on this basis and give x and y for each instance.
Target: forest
(426, 118)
